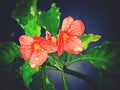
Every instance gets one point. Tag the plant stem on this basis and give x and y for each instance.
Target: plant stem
(81, 76)
(64, 81)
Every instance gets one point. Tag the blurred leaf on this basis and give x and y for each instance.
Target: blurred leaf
(8, 52)
(25, 14)
(42, 82)
(55, 61)
(106, 57)
(88, 38)
(108, 81)
(50, 19)
(27, 72)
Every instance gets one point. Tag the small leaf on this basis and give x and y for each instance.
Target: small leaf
(42, 82)
(27, 72)
(25, 14)
(106, 57)
(88, 38)
(8, 52)
(50, 19)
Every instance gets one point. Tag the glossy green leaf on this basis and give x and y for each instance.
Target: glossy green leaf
(106, 56)
(8, 52)
(25, 14)
(88, 38)
(55, 61)
(50, 19)
(27, 72)
(42, 82)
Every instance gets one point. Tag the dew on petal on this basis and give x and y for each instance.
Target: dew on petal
(33, 65)
(36, 58)
(38, 53)
(69, 30)
(77, 49)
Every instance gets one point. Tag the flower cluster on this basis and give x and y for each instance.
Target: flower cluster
(37, 48)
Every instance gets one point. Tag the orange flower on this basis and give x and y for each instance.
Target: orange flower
(36, 49)
(68, 36)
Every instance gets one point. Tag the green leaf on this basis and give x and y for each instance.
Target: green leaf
(42, 82)
(55, 61)
(8, 52)
(50, 19)
(25, 14)
(88, 38)
(106, 57)
(27, 72)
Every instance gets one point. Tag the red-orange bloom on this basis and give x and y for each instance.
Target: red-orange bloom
(36, 49)
(68, 39)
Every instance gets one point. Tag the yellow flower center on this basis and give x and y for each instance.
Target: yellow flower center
(37, 47)
(65, 36)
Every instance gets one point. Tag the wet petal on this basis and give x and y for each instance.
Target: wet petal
(38, 58)
(48, 46)
(25, 40)
(73, 45)
(26, 52)
(66, 23)
(77, 28)
(60, 44)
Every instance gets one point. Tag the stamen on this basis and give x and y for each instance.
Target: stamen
(65, 36)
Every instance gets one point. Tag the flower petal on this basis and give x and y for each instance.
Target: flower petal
(48, 46)
(60, 43)
(26, 52)
(51, 38)
(66, 23)
(73, 45)
(77, 28)
(48, 35)
(38, 58)
(25, 40)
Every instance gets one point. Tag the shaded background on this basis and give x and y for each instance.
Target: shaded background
(99, 16)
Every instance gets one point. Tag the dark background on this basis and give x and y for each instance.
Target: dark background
(99, 16)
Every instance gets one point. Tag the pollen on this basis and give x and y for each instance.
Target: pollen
(37, 47)
(65, 36)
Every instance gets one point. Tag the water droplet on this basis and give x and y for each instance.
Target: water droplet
(69, 30)
(33, 65)
(77, 49)
(36, 58)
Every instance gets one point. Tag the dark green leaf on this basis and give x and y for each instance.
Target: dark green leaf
(88, 38)
(27, 72)
(106, 56)
(108, 81)
(55, 61)
(25, 14)
(50, 19)
(8, 52)
(42, 82)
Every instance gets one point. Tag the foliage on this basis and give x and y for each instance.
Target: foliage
(105, 57)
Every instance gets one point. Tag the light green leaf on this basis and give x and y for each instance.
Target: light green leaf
(106, 56)
(27, 72)
(88, 38)
(42, 82)
(50, 19)
(25, 14)
(8, 52)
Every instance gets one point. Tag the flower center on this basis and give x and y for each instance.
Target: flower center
(37, 47)
(65, 36)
